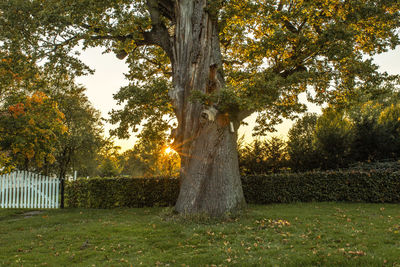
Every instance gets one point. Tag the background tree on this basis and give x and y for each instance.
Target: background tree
(333, 138)
(302, 153)
(368, 138)
(31, 126)
(365, 132)
(251, 158)
(152, 161)
(239, 57)
(84, 139)
(263, 156)
(109, 160)
(389, 122)
(151, 156)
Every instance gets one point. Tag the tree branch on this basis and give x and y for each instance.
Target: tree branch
(167, 9)
(157, 36)
(280, 5)
(159, 65)
(244, 114)
(159, 33)
(290, 26)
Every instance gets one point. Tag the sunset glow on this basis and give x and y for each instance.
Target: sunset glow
(168, 150)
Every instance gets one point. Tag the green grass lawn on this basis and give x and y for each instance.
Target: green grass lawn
(302, 234)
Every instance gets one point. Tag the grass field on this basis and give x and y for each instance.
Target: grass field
(303, 234)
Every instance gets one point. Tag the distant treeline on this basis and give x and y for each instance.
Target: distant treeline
(366, 133)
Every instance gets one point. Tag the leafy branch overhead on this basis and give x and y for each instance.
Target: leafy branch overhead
(271, 50)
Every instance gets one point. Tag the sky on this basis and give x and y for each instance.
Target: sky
(109, 77)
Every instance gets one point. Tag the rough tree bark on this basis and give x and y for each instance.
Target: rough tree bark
(206, 137)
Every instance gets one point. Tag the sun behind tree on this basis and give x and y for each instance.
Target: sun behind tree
(168, 150)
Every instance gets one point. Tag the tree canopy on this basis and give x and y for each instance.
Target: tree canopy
(271, 50)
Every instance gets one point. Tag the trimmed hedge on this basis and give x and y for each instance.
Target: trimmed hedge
(352, 186)
(121, 192)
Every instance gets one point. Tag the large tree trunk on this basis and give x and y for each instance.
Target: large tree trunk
(206, 137)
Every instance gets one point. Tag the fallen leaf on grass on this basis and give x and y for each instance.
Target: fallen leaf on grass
(357, 253)
(353, 253)
(264, 223)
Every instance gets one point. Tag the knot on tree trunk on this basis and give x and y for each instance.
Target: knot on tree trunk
(208, 115)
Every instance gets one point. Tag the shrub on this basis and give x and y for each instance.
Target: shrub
(122, 192)
(352, 186)
(372, 186)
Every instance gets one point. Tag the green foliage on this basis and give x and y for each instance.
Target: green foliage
(17, 73)
(300, 146)
(388, 166)
(5, 162)
(338, 138)
(389, 121)
(333, 137)
(272, 50)
(320, 142)
(109, 167)
(368, 137)
(151, 155)
(372, 185)
(122, 192)
(268, 156)
(62, 102)
(306, 44)
(352, 186)
(79, 148)
(138, 109)
(108, 160)
(31, 128)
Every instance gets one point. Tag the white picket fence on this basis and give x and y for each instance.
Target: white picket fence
(23, 189)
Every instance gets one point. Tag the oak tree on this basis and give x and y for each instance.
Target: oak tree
(209, 64)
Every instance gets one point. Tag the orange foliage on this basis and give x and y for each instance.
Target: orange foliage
(33, 129)
(17, 110)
